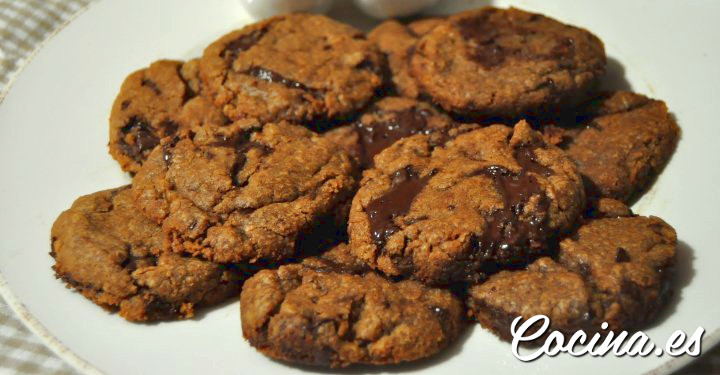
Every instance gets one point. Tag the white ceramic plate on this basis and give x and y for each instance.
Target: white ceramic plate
(53, 136)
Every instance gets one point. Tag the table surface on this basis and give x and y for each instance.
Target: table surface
(24, 24)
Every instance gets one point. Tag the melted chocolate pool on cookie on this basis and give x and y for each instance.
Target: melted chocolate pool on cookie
(504, 233)
(378, 135)
(407, 184)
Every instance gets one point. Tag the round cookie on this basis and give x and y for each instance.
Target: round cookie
(385, 122)
(489, 198)
(295, 67)
(245, 192)
(492, 62)
(614, 270)
(545, 288)
(105, 249)
(156, 102)
(628, 262)
(328, 317)
(620, 141)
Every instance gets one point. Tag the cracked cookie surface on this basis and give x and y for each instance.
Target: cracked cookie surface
(106, 250)
(620, 141)
(155, 102)
(492, 62)
(440, 213)
(615, 270)
(244, 192)
(295, 67)
(328, 316)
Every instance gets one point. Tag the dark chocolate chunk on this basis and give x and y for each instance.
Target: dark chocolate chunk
(151, 85)
(622, 256)
(506, 234)
(377, 136)
(145, 138)
(492, 43)
(242, 43)
(407, 184)
(273, 77)
(525, 156)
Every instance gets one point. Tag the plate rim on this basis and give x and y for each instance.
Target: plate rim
(84, 366)
(19, 310)
(40, 331)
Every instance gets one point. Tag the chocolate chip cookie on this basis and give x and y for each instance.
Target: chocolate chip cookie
(628, 263)
(106, 250)
(156, 102)
(244, 192)
(387, 121)
(489, 198)
(614, 270)
(492, 62)
(620, 141)
(329, 317)
(545, 288)
(295, 67)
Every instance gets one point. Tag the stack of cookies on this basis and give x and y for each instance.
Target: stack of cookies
(369, 195)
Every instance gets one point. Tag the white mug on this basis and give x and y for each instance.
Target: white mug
(375, 8)
(269, 8)
(393, 8)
